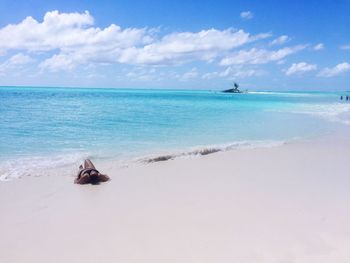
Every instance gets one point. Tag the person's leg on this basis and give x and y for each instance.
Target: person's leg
(88, 164)
(79, 172)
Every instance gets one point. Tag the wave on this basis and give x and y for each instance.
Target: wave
(206, 150)
(265, 92)
(334, 112)
(66, 164)
(286, 94)
(40, 165)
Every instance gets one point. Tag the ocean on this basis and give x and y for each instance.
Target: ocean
(45, 128)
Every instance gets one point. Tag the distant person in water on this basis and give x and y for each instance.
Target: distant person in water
(341, 97)
(89, 175)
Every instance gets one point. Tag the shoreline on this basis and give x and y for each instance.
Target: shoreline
(281, 204)
(155, 156)
(145, 158)
(39, 169)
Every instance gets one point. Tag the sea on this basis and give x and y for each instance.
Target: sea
(42, 129)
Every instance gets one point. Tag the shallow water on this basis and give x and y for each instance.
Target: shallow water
(42, 128)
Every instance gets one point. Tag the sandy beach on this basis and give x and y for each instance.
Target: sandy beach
(282, 204)
(174, 131)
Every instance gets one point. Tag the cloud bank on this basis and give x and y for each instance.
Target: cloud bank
(66, 41)
(335, 71)
(16, 61)
(75, 40)
(259, 56)
(300, 68)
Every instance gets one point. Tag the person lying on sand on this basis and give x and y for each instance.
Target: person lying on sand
(89, 175)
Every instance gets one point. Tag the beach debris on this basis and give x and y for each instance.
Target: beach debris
(168, 157)
(88, 174)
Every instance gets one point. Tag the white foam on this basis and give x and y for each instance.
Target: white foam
(287, 94)
(335, 112)
(39, 165)
(67, 164)
(264, 92)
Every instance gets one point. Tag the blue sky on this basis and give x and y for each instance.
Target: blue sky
(263, 45)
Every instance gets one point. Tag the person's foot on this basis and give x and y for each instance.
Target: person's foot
(89, 164)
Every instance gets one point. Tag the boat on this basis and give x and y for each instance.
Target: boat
(235, 89)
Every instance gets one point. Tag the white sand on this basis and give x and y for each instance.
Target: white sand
(284, 204)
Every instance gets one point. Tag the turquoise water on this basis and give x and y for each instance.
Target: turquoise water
(49, 127)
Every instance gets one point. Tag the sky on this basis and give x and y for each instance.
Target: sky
(262, 45)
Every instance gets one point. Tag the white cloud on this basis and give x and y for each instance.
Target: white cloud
(19, 59)
(186, 46)
(234, 72)
(73, 35)
(16, 61)
(75, 41)
(66, 31)
(337, 70)
(59, 62)
(143, 74)
(319, 46)
(300, 68)
(345, 47)
(71, 39)
(247, 15)
(156, 74)
(174, 48)
(280, 40)
(259, 56)
(191, 74)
